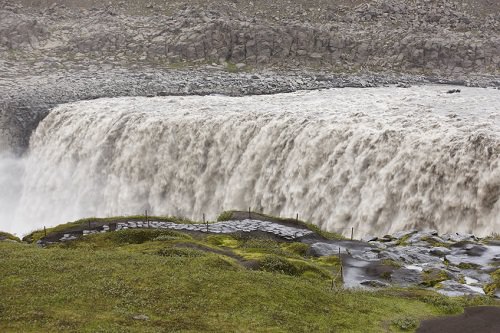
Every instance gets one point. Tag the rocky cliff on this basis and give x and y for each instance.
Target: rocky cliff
(428, 37)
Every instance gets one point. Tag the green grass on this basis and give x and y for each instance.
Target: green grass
(492, 287)
(6, 235)
(194, 283)
(493, 236)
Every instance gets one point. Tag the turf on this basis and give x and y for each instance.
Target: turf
(194, 283)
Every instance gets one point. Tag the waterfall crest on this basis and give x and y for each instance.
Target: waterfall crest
(378, 159)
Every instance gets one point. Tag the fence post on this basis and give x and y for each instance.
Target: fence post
(45, 231)
(352, 233)
(249, 213)
(146, 214)
(341, 267)
(297, 217)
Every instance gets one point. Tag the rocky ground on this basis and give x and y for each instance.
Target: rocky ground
(430, 37)
(452, 264)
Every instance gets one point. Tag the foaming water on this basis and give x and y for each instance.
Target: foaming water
(378, 160)
(11, 174)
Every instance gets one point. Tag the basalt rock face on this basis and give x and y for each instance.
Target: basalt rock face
(407, 36)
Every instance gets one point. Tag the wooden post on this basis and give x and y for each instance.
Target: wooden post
(249, 213)
(341, 267)
(297, 217)
(146, 214)
(45, 231)
(352, 233)
(204, 221)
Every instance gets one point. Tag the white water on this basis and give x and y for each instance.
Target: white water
(379, 160)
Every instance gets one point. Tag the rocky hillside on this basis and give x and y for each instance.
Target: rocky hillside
(428, 37)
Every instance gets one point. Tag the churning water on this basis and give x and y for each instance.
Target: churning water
(378, 159)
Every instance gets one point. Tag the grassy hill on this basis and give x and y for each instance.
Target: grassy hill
(168, 281)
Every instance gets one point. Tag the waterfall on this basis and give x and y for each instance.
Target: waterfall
(377, 159)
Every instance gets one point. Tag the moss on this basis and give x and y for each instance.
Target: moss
(391, 263)
(329, 260)
(223, 241)
(432, 277)
(225, 216)
(433, 242)
(468, 265)
(296, 248)
(262, 246)
(403, 241)
(491, 288)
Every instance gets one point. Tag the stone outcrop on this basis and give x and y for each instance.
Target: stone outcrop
(404, 36)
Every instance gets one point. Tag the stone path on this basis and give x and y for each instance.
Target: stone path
(226, 227)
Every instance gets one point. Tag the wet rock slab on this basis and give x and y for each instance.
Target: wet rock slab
(452, 264)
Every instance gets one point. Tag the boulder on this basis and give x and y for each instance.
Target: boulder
(440, 251)
(374, 283)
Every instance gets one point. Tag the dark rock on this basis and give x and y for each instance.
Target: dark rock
(403, 85)
(475, 250)
(374, 283)
(410, 255)
(453, 288)
(440, 251)
(406, 277)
